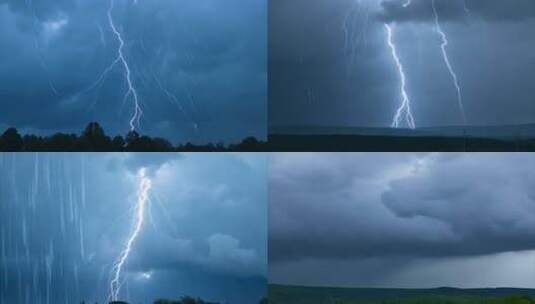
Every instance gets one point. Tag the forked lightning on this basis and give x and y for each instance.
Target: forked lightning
(403, 113)
(136, 116)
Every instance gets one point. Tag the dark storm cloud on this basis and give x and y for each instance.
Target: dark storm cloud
(151, 162)
(308, 65)
(317, 78)
(359, 206)
(44, 9)
(491, 10)
(193, 241)
(210, 55)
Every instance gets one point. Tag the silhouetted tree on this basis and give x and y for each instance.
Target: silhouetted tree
(132, 137)
(184, 300)
(93, 138)
(11, 140)
(162, 301)
(249, 143)
(161, 144)
(188, 300)
(93, 129)
(32, 143)
(62, 142)
(118, 143)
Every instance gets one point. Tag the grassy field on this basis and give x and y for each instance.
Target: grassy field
(279, 294)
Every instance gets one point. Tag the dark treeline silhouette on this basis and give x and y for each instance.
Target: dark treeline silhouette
(183, 300)
(93, 138)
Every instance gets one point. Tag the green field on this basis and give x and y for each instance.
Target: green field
(279, 294)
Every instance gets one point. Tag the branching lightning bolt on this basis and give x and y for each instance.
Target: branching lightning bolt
(404, 111)
(143, 189)
(443, 46)
(132, 91)
(121, 59)
(407, 3)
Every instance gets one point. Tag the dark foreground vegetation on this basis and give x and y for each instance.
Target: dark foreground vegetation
(279, 294)
(367, 143)
(513, 299)
(184, 300)
(93, 138)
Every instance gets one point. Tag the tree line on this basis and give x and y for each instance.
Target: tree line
(183, 300)
(93, 138)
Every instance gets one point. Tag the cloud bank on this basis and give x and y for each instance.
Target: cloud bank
(376, 211)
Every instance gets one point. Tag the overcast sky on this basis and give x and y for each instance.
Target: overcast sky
(193, 63)
(402, 220)
(325, 73)
(64, 218)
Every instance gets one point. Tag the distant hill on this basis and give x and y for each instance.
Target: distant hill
(471, 138)
(522, 131)
(280, 294)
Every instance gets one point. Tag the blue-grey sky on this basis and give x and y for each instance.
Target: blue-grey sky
(65, 218)
(199, 67)
(330, 63)
(402, 219)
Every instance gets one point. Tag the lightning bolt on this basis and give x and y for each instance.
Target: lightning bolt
(172, 97)
(407, 3)
(443, 46)
(128, 74)
(131, 92)
(29, 4)
(120, 59)
(404, 111)
(143, 189)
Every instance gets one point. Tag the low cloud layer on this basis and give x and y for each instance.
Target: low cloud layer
(395, 208)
